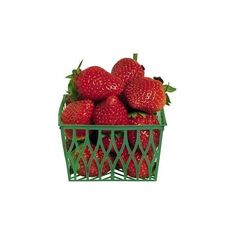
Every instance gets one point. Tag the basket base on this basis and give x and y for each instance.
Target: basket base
(118, 175)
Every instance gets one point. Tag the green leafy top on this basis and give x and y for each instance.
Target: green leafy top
(135, 113)
(72, 91)
(168, 88)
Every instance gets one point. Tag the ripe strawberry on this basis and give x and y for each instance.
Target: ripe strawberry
(96, 84)
(131, 170)
(110, 112)
(140, 118)
(128, 69)
(77, 113)
(145, 94)
(93, 170)
(118, 140)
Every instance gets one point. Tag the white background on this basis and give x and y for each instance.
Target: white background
(191, 44)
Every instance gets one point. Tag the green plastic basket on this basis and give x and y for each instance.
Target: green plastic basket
(115, 173)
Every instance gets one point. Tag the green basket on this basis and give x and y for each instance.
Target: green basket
(115, 173)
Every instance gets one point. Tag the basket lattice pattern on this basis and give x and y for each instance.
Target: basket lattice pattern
(112, 156)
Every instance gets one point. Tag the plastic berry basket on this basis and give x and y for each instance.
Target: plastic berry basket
(115, 173)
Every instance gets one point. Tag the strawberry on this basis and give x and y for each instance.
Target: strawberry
(140, 118)
(131, 170)
(77, 113)
(110, 112)
(87, 155)
(128, 69)
(96, 84)
(118, 140)
(145, 94)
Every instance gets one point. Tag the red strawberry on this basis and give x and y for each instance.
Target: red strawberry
(96, 84)
(128, 69)
(146, 94)
(93, 170)
(110, 112)
(140, 118)
(77, 113)
(131, 171)
(107, 140)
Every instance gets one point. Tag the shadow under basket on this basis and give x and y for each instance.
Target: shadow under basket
(91, 160)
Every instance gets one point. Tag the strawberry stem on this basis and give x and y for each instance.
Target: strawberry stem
(135, 56)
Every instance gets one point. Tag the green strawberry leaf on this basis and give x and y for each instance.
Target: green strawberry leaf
(75, 71)
(168, 102)
(71, 76)
(132, 114)
(169, 88)
(78, 68)
(142, 114)
(72, 90)
(71, 85)
(135, 113)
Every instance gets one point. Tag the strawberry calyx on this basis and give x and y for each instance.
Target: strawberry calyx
(75, 71)
(72, 91)
(135, 113)
(167, 89)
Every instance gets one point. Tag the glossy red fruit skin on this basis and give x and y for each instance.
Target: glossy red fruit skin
(77, 113)
(128, 69)
(110, 112)
(93, 170)
(143, 119)
(131, 171)
(145, 94)
(107, 140)
(96, 84)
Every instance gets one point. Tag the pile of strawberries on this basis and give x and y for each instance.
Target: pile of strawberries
(123, 97)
